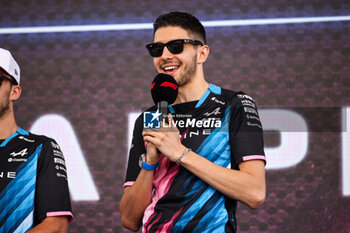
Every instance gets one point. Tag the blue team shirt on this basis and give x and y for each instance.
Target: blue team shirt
(223, 127)
(33, 181)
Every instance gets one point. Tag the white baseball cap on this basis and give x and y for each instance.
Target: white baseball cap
(9, 65)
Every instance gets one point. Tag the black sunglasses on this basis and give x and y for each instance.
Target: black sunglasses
(2, 78)
(174, 46)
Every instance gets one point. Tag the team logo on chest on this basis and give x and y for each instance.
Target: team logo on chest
(16, 156)
(215, 112)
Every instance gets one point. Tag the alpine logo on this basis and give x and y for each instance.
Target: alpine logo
(15, 154)
(215, 112)
(21, 153)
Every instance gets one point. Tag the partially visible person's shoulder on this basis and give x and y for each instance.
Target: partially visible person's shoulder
(42, 139)
(237, 96)
(39, 138)
(230, 93)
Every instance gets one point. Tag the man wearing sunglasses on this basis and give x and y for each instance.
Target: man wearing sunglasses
(189, 179)
(34, 195)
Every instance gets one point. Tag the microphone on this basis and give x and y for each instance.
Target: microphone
(164, 91)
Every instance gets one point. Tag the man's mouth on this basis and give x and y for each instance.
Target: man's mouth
(170, 69)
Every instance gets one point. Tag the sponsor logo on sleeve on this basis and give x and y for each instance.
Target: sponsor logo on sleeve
(60, 161)
(61, 175)
(241, 96)
(253, 117)
(248, 103)
(58, 167)
(58, 153)
(254, 124)
(251, 110)
(55, 146)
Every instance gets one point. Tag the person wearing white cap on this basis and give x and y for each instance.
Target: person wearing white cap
(34, 195)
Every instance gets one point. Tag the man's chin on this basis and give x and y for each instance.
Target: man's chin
(182, 81)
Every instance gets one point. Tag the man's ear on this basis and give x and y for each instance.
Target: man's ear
(203, 54)
(15, 92)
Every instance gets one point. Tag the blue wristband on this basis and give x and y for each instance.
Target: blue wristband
(178, 161)
(149, 167)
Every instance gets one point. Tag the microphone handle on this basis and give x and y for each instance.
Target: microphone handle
(163, 109)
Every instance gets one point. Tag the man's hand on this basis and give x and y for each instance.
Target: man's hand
(58, 224)
(166, 140)
(153, 154)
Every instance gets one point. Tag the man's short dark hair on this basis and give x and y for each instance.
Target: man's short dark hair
(183, 20)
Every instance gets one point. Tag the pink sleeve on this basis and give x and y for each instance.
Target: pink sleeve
(252, 157)
(61, 213)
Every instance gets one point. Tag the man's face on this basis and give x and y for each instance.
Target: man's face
(182, 66)
(5, 90)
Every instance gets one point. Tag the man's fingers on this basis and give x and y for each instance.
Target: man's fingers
(150, 139)
(150, 133)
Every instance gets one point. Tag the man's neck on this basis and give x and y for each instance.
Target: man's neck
(8, 126)
(191, 91)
